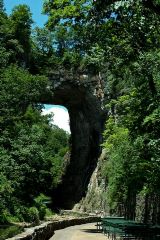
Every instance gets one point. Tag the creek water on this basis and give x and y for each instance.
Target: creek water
(9, 231)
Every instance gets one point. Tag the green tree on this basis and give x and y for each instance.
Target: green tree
(31, 148)
(1, 6)
(21, 18)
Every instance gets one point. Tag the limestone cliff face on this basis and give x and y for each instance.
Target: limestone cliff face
(82, 94)
(95, 199)
(146, 208)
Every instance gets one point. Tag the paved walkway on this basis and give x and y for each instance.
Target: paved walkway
(79, 232)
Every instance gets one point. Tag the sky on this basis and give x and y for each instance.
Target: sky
(61, 116)
(35, 6)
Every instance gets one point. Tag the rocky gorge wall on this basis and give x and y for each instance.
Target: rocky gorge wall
(82, 94)
(146, 207)
(95, 200)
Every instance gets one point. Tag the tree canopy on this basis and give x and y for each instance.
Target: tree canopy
(32, 149)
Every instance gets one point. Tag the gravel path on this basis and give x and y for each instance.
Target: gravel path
(79, 232)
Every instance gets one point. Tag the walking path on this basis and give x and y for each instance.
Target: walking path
(79, 232)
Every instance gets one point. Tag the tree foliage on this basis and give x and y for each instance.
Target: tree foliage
(29, 144)
(32, 149)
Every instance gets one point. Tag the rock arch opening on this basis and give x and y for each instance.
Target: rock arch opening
(60, 116)
(86, 124)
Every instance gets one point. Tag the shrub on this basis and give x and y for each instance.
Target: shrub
(33, 215)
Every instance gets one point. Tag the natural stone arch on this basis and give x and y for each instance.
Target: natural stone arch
(83, 96)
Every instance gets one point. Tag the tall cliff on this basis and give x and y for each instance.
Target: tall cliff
(82, 94)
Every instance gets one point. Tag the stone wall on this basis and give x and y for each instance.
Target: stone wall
(46, 230)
